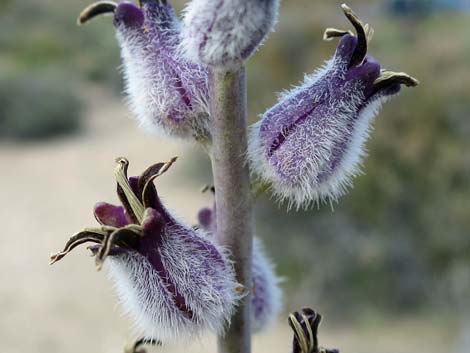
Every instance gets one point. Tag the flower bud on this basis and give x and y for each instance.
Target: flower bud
(226, 33)
(266, 301)
(167, 93)
(310, 145)
(172, 281)
(266, 297)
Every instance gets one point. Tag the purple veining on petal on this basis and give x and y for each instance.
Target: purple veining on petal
(285, 132)
(162, 30)
(283, 115)
(150, 245)
(203, 44)
(182, 91)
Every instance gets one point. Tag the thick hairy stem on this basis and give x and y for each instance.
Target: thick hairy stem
(232, 193)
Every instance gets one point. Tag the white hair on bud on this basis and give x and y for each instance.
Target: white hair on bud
(226, 32)
(267, 295)
(307, 189)
(209, 289)
(148, 79)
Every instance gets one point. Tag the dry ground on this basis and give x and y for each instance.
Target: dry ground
(47, 193)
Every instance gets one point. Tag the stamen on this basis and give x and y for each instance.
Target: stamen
(130, 201)
(361, 49)
(94, 235)
(286, 131)
(99, 8)
(332, 33)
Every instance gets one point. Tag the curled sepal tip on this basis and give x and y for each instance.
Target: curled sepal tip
(361, 29)
(99, 8)
(93, 235)
(332, 33)
(305, 325)
(389, 77)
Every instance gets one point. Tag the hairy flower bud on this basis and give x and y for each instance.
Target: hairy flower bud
(310, 145)
(167, 93)
(172, 280)
(267, 295)
(225, 33)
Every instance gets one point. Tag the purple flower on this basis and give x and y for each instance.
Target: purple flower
(310, 145)
(224, 33)
(266, 297)
(173, 281)
(167, 93)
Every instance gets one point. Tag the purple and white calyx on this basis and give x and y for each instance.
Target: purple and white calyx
(310, 145)
(166, 92)
(266, 299)
(225, 33)
(172, 280)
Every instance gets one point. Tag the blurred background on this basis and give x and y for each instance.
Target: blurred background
(388, 267)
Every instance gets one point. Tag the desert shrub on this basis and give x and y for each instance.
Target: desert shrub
(37, 105)
(48, 35)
